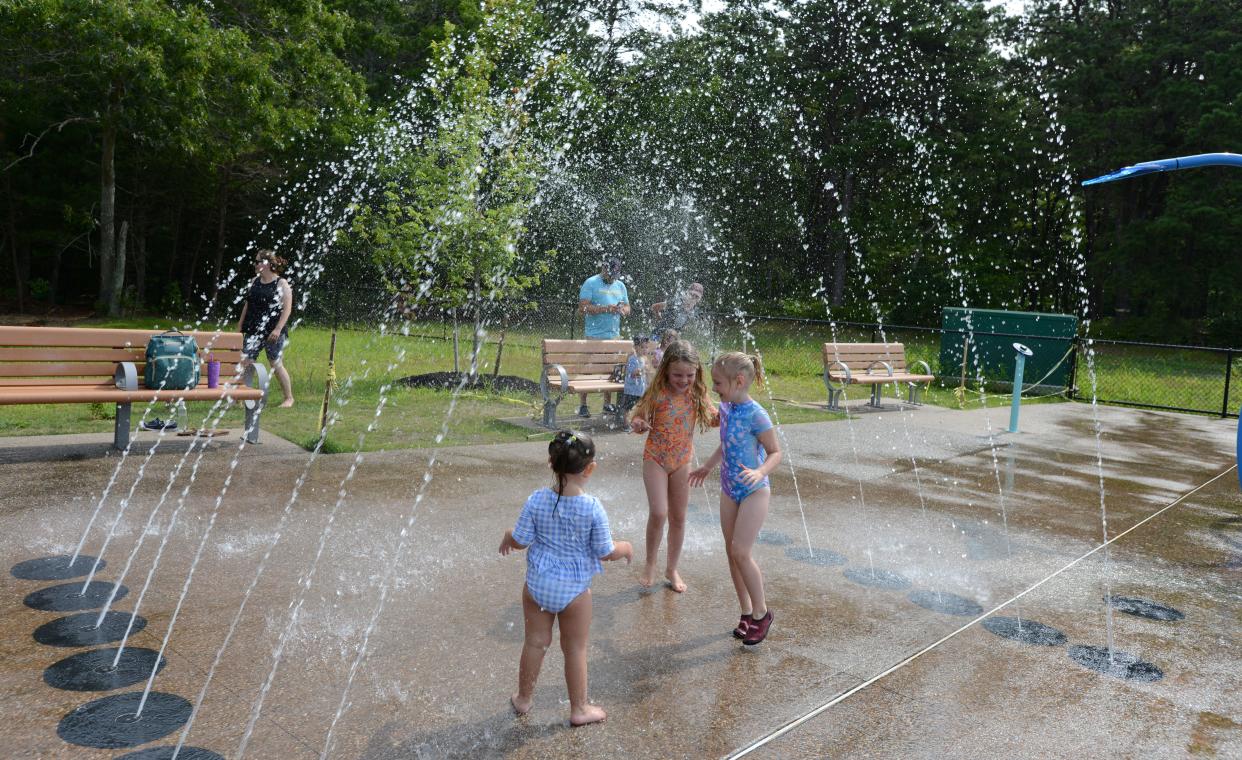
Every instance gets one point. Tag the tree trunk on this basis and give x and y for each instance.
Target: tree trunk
(476, 341)
(118, 272)
(222, 208)
(500, 346)
(187, 273)
(175, 250)
(841, 246)
(107, 199)
(53, 291)
(18, 280)
(140, 259)
(456, 344)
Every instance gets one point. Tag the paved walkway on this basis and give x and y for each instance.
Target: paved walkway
(961, 513)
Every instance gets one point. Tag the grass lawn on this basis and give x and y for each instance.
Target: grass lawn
(412, 417)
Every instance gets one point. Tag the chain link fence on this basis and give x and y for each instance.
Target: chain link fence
(1149, 375)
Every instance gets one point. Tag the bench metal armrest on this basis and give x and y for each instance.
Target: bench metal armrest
(828, 375)
(888, 367)
(543, 382)
(126, 376)
(256, 377)
(926, 367)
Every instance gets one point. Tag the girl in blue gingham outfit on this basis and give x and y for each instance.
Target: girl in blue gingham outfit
(566, 531)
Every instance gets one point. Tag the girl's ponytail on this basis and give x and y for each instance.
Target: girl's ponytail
(737, 363)
(569, 453)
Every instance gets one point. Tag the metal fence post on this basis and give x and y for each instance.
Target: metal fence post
(1072, 391)
(1224, 404)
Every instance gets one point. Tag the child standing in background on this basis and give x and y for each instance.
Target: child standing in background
(748, 453)
(668, 412)
(666, 338)
(637, 368)
(566, 530)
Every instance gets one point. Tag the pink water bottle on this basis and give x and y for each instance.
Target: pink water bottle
(213, 372)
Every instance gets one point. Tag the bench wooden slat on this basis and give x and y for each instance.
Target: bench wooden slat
(114, 355)
(25, 381)
(110, 394)
(857, 366)
(614, 357)
(62, 354)
(590, 386)
(49, 369)
(11, 335)
(587, 346)
(602, 368)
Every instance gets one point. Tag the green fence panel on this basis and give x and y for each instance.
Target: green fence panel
(992, 334)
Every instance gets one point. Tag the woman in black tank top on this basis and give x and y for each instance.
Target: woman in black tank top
(265, 317)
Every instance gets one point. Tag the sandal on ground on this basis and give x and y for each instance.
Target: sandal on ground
(758, 630)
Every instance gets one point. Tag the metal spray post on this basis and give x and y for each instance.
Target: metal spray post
(1018, 365)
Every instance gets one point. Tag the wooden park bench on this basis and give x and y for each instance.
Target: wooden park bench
(874, 364)
(81, 365)
(579, 366)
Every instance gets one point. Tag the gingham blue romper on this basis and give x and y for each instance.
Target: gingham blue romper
(564, 543)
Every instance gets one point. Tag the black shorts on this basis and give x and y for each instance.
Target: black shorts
(253, 344)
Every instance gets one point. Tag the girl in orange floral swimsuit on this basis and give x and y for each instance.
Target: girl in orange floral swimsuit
(675, 402)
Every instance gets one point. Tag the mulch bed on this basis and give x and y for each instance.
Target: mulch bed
(451, 380)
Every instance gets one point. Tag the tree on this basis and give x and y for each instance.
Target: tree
(451, 220)
(165, 86)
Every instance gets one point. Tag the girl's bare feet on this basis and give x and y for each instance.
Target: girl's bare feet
(520, 706)
(587, 715)
(647, 576)
(674, 581)
(286, 403)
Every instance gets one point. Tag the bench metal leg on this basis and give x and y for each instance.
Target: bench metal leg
(549, 412)
(914, 394)
(877, 396)
(834, 399)
(120, 436)
(253, 410)
(256, 378)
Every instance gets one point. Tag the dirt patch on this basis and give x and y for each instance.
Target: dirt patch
(451, 380)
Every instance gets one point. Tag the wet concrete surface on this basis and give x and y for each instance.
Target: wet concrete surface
(943, 498)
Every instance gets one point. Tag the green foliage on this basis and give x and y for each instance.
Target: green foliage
(102, 411)
(1139, 81)
(452, 216)
(877, 158)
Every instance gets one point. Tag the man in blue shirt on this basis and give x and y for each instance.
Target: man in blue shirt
(603, 300)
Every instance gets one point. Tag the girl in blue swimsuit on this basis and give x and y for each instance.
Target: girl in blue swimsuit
(748, 452)
(566, 530)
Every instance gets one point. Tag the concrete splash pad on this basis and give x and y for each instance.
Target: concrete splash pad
(442, 657)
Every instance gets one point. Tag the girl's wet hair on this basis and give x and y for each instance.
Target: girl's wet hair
(735, 363)
(679, 351)
(569, 453)
(274, 261)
